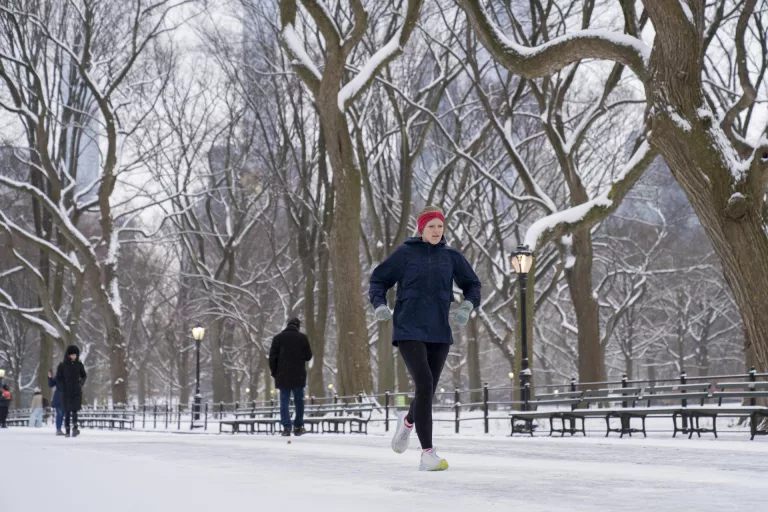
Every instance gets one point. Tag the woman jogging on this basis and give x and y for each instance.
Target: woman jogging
(424, 268)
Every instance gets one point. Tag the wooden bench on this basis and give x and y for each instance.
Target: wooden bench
(18, 417)
(257, 419)
(657, 401)
(685, 403)
(121, 419)
(738, 391)
(556, 399)
(356, 415)
(612, 403)
(317, 418)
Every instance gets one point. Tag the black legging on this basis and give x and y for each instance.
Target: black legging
(3, 415)
(73, 415)
(425, 362)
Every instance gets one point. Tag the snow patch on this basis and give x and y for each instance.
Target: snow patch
(114, 298)
(687, 11)
(355, 85)
(642, 49)
(737, 167)
(704, 113)
(577, 213)
(678, 120)
(736, 196)
(293, 42)
(569, 216)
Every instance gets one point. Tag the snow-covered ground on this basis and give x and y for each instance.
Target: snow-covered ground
(148, 471)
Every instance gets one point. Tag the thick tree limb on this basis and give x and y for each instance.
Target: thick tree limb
(382, 57)
(590, 213)
(301, 61)
(325, 23)
(749, 93)
(554, 55)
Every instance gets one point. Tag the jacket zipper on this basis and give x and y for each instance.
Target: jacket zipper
(429, 289)
(429, 269)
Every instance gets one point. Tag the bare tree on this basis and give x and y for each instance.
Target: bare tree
(704, 144)
(69, 78)
(332, 99)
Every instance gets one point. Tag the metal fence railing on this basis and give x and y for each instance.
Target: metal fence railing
(486, 404)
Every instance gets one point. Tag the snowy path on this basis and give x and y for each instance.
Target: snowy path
(143, 472)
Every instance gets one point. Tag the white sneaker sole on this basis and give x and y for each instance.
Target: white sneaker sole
(440, 467)
(398, 434)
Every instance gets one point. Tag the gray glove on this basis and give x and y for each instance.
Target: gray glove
(461, 316)
(383, 313)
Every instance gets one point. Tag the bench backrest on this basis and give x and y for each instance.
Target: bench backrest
(264, 411)
(740, 390)
(569, 398)
(612, 395)
(677, 392)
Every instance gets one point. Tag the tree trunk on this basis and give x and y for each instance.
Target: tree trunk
(117, 362)
(183, 376)
(316, 377)
(46, 363)
(142, 391)
(651, 364)
(267, 379)
(353, 352)
(217, 363)
(579, 278)
(727, 200)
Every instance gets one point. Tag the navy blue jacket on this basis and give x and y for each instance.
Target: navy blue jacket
(56, 401)
(424, 274)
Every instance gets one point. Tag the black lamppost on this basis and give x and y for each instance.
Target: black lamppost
(522, 260)
(198, 333)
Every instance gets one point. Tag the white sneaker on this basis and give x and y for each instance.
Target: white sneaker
(431, 461)
(402, 437)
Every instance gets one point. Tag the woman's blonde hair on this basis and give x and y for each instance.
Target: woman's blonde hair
(426, 209)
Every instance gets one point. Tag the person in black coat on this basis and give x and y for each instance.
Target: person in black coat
(56, 404)
(70, 378)
(288, 355)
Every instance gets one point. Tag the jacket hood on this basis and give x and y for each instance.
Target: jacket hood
(72, 349)
(418, 240)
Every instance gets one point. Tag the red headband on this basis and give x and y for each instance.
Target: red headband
(424, 219)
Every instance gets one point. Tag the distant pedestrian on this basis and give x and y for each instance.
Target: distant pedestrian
(288, 356)
(5, 404)
(36, 416)
(70, 378)
(56, 404)
(424, 269)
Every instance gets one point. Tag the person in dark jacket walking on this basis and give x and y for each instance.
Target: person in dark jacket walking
(424, 269)
(56, 404)
(288, 355)
(5, 404)
(70, 378)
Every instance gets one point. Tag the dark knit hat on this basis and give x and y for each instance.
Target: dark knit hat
(295, 322)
